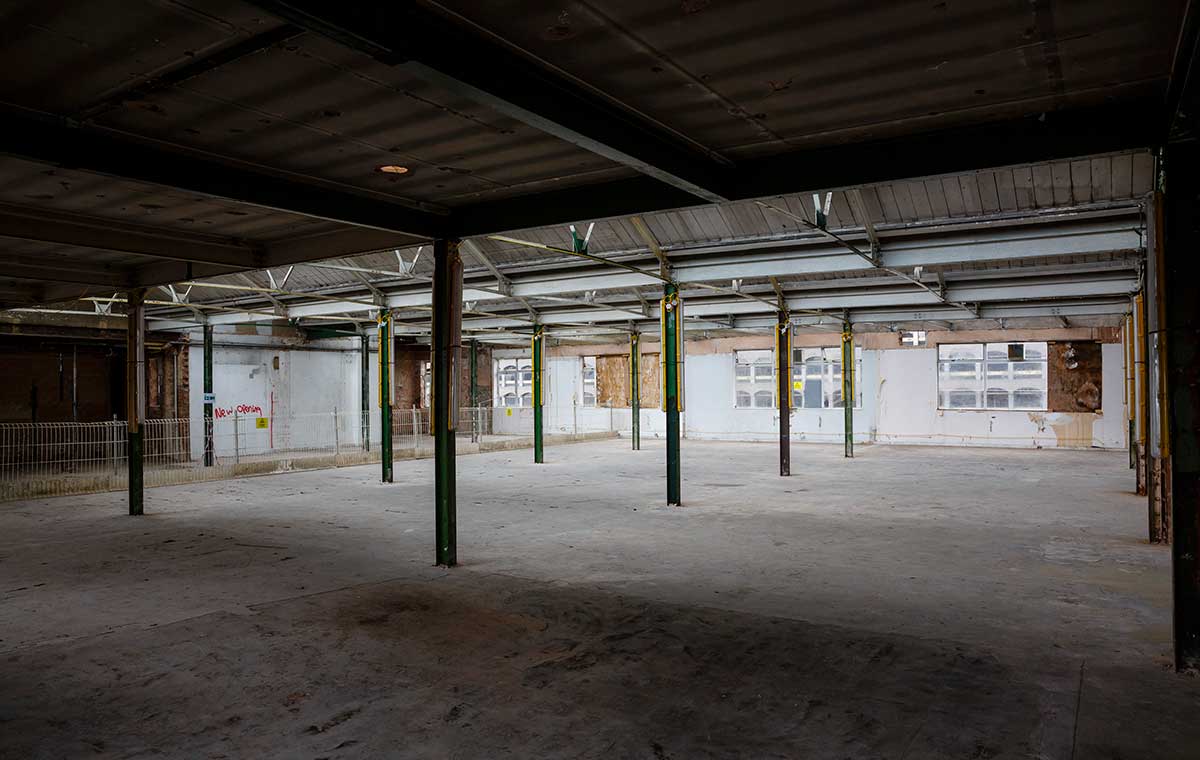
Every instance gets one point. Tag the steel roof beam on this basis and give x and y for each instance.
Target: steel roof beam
(64, 228)
(453, 55)
(1067, 133)
(58, 142)
(1183, 87)
(808, 257)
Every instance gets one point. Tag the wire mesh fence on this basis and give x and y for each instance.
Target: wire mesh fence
(58, 458)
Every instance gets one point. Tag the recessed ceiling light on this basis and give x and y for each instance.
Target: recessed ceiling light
(393, 169)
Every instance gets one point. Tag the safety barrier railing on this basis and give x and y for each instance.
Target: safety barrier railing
(46, 459)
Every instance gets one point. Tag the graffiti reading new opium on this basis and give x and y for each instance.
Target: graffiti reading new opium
(242, 409)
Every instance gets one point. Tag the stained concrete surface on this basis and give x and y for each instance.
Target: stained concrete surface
(910, 603)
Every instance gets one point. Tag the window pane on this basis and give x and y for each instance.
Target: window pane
(1029, 398)
(812, 392)
(961, 400)
(743, 398)
(960, 351)
(997, 398)
(998, 370)
(1035, 351)
(960, 380)
(526, 399)
(764, 399)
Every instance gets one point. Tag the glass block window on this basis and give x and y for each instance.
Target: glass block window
(992, 376)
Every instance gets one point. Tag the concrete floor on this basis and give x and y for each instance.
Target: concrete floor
(910, 603)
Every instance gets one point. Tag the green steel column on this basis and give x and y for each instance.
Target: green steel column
(135, 392)
(539, 358)
(365, 372)
(446, 341)
(635, 389)
(473, 401)
(848, 386)
(209, 454)
(783, 383)
(385, 394)
(671, 318)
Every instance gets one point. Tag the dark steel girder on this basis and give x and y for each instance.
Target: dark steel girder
(60, 142)
(65, 228)
(1039, 137)
(452, 55)
(1183, 87)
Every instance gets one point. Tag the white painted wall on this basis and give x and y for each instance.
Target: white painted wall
(711, 413)
(899, 405)
(899, 389)
(908, 412)
(298, 398)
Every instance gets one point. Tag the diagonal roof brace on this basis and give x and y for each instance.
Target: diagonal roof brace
(503, 283)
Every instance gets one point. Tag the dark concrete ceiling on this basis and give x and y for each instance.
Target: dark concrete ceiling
(255, 130)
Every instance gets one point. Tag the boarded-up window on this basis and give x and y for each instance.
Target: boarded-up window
(612, 380)
(651, 392)
(1075, 383)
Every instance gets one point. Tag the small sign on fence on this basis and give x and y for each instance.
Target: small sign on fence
(508, 412)
(261, 423)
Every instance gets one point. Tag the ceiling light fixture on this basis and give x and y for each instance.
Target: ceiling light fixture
(392, 169)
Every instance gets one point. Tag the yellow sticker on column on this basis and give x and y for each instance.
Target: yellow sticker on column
(261, 423)
(508, 412)
(797, 385)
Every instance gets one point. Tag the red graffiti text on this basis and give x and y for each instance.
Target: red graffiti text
(241, 409)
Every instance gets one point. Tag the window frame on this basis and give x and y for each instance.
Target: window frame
(990, 368)
(755, 369)
(584, 382)
(827, 358)
(509, 378)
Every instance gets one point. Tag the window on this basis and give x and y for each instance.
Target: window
(754, 379)
(992, 376)
(513, 382)
(817, 378)
(589, 381)
(426, 385)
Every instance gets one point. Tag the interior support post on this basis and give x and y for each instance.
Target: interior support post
(209, 453)
(671, 353)
(635, 389)
(1141, 388)
(783, 389)
(446, 343)
(848, 394)
(386, 392)
(538, 348)
(1158, 485)
(473, 400)
(1127, 341)
(365, 381)
(135, 393)
(1180, 330)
